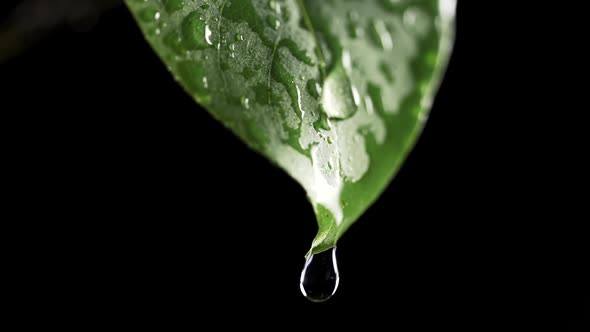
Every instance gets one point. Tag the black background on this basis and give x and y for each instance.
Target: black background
(113, 155)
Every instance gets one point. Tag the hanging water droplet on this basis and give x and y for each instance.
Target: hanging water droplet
(320, 278)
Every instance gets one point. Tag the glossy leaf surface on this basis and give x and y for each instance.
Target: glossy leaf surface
(335, 92)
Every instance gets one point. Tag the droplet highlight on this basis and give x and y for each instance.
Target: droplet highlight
(245, 101)
(208, 34)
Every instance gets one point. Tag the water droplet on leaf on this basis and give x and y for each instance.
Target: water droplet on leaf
(193, 74)
(323, 122)
(245, 102)
(195, 32)
(338, 99)
(208, 35)
(314, 88)
(173, 6)
(380, 35)
(273, 22)
(149, 15)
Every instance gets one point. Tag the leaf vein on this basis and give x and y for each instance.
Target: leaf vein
(221, 72)
(309, 24)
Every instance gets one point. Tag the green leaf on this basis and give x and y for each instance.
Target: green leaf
(335, 92)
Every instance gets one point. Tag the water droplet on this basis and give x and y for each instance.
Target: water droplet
(410, 17)
(174, 42)
(339, 100)
(346, 61)
(299, 106)
(353, 16)
(416, 21)
(356, 97)
(380, 35)
(245, 102)
(369, 105)
(298, 53)
(320, 278)
(391, 5)
(374, 92)
(232, 48)
(286, 15)
(314, 88)
(354, 30)
(173, 6)
(149, 15)
(208, 35)
(323, 122)
(275, 6)
(195, 32)
(248, 73)
(387, 72)
(194, 77)
(273, 22)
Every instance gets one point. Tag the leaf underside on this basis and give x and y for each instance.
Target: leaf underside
(335, 92)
